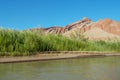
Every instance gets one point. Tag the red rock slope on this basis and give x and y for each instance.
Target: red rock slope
(106, 28)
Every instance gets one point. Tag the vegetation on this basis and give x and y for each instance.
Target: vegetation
(20, 43)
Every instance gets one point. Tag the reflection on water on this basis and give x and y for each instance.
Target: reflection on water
(99, 68)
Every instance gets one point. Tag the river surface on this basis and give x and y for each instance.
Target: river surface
(95, 68)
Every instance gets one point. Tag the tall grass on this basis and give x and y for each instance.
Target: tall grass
(17, 43)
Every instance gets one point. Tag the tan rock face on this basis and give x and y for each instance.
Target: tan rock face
(99, 34)
(105, 27)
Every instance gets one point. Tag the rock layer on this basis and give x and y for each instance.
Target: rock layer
(105, 27)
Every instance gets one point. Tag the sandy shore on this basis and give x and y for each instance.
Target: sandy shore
(54, 55)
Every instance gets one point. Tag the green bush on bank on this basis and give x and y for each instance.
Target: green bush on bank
(20, 43)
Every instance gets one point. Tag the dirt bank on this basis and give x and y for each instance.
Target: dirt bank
(54, 55)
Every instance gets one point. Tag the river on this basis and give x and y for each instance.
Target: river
(94, 68)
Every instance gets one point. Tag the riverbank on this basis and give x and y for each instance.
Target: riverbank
(25, 43)
(54, 55)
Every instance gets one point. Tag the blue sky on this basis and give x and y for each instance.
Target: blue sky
(24, 14)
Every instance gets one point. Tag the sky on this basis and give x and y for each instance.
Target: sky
(25, 14)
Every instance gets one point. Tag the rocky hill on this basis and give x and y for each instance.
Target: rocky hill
(104, 29)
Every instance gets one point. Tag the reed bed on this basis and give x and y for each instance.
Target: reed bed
(24, 43)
